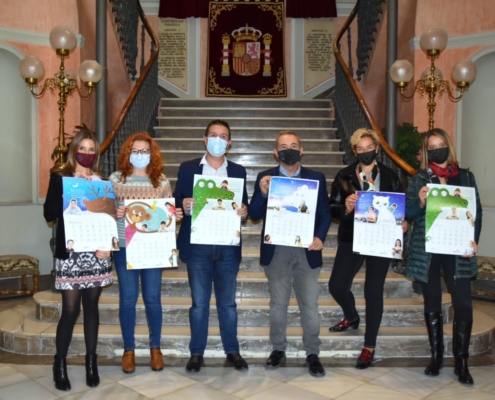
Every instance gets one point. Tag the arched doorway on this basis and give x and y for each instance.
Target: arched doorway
(18, 151)
(476, 141)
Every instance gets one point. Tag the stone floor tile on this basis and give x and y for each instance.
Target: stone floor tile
(10, 376)
(154, 384)
(411, 383)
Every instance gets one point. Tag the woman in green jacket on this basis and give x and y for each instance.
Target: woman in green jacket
(439, 165)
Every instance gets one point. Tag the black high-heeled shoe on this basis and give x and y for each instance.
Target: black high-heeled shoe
(92, 377)
(60, 374)
(344, 325)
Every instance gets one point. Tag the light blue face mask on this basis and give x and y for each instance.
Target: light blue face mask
(216, 146)
(140, 161)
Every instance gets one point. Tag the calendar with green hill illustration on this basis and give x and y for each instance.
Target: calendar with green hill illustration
(214, 215)
(450, 218)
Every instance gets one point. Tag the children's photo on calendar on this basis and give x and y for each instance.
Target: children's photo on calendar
(214, 215)
(89, 214)
(290, 214)
(150, 233)
(450, 216)
(378, 220)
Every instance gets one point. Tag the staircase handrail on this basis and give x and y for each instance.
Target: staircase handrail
(394, 157)
(139, 83)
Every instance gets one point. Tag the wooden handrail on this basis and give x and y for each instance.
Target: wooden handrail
(125, 109)
(338, 57)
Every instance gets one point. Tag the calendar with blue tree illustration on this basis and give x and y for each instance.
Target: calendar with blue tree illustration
(450, 220)
(89, 214)
(378, 219)
(290, 214)
(150, 233)
(214, 215)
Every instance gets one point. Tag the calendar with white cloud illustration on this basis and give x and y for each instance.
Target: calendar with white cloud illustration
(89, 215)
(378, 219)
(450, 220)
(214, 217)
(290, 214)
(150, 233)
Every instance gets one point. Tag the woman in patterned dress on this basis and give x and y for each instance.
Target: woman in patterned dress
(80, 276)
(140, 176)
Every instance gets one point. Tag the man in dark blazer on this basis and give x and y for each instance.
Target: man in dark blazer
(292, 266)
(210, 263)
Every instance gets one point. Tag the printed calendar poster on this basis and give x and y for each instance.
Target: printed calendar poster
(450, 218)
(150, 234)
(214, 218)
(89, 215)
(290, 214)
(378, 219)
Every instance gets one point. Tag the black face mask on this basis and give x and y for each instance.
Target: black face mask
(367, 158)
(289, 156)
(438, 156)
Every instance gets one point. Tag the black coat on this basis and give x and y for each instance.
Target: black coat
(346, 182)
(54, 209)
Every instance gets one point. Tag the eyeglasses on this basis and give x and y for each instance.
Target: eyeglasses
(140, 151)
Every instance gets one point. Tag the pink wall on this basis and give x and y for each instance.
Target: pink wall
(41, 17)
(467, 17)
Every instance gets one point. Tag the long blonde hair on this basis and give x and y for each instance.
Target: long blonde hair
(452, 159)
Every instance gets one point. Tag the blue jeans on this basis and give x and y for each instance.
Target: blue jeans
(151, 283)
(217, 264)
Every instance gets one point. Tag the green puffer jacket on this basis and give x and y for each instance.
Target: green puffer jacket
(418, 260)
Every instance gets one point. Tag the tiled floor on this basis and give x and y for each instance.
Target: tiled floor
(35, 382)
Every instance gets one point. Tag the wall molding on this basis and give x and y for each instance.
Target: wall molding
(344, 7)
(28, 37)
(463, 41)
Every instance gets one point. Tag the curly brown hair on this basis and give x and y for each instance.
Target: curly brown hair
(154, 170)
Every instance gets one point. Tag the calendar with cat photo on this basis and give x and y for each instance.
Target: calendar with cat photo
(378, 219)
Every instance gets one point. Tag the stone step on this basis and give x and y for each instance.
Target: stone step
(239, 133)
(244, 145)
(250, 112)
(22, 333)
(253, 158)
(254, 284)
(244, 103)
(329, 170)
(251, 312)
(250, 182)
(236, 122)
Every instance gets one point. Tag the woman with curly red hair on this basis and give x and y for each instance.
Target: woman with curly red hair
(140, 176)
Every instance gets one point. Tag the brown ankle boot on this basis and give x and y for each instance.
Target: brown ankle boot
(128, 363)
(156, 361)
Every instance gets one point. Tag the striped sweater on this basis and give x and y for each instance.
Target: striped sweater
(136, 188)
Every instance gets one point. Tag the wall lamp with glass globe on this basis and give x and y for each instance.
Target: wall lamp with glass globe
(433, 41)
(63, 40)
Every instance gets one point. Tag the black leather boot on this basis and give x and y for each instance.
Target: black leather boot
(460, 344)
(92, 377)
(60, 374)
(434, 325)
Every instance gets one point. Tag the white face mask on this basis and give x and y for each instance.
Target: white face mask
(216, 146)
(140, 161)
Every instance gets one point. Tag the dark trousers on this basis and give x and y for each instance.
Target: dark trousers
(460, 289)
(346, 266)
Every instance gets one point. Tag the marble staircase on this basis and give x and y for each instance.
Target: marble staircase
(255, 125)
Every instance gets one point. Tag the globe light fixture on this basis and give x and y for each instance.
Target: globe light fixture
(63, 40)
(433, 41)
